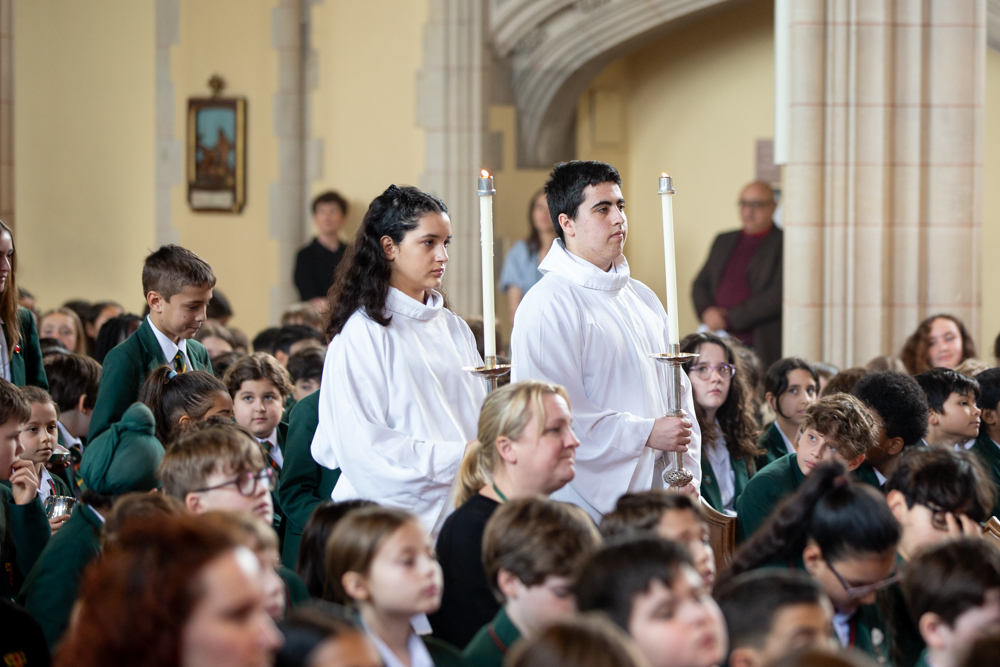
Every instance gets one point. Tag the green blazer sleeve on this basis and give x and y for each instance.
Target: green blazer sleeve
(50, 590)
(444, 654)
(26, 361)
(121, 379)
(198, 355)
(304, 483)
(25, 534)
(763, 493)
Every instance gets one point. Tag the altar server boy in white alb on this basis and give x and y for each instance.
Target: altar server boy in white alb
(590, 327)
(396, 410)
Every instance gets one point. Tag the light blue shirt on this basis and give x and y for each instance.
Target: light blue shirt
(520, 268)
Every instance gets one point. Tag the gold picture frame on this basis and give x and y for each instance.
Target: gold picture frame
(216, 154)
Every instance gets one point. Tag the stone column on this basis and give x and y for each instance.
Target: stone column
(451, 109)
(883, 202)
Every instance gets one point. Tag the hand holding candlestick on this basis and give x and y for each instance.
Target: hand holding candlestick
(678, 476)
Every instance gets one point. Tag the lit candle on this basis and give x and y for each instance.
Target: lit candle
(485, 193)
(666, 193)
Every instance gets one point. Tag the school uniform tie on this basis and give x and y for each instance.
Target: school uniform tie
(271, 461)
(179, 365)
(52, 487)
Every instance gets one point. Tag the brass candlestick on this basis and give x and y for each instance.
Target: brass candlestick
(674, 359)
(491, 370)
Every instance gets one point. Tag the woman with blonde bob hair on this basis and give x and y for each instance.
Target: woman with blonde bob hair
(525, 446)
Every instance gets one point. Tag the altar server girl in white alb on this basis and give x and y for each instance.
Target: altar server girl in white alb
(396, 410)
(589, 326)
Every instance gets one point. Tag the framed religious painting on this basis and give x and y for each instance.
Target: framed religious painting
(217, 151)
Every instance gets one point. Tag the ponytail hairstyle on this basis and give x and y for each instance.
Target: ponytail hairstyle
(363, 277)
(8, 298)
(736, 414)
(171, 395)
(506, 412)
(844, 518)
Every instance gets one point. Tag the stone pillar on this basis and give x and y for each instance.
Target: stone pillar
(451, 109)
(883, 201)
(7, 112)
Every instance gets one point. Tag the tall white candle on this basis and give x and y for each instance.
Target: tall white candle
(485, 193)
(666, 193)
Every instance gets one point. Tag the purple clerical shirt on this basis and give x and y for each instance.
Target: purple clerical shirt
(734, 288)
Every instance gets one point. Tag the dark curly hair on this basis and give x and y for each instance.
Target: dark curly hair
(735, 415)
(363, 280)
(842, 516)
(899, 402)
(914, 354)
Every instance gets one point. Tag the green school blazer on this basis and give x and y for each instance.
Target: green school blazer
(868, 634)
(865, 473)
(763, 492)
(989, 454)
(24, 532)
(923, 660)
(905, 641)
(710, 490)
(490, 645)
(773, 445)
(26, 361)
(50, 590)
(304, 483)
(125, 369)
(443, 654)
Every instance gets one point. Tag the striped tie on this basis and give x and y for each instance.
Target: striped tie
(179, 364)
(269, 449)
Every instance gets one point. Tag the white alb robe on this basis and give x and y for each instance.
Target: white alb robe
(396, 408)
(592, 332)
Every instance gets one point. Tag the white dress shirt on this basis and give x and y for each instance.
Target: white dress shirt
(169, 347)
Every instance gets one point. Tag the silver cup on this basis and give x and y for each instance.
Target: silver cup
(59, 505)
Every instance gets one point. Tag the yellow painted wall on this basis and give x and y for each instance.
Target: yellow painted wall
(364, 106)
(990, 313)
(238, 247)
(84, 147)
(696, 102)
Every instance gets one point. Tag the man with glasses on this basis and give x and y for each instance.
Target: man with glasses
(738, 290)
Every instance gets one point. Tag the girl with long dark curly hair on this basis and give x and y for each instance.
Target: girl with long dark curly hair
(396, 410)
(941, 341)
(725, 415)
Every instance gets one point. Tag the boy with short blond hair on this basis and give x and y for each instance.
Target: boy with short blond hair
(835, 428)
(24, 530)
(532, 548)
(177, 285)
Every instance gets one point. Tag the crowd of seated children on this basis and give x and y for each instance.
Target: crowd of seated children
(525, 446)
(843, 534)
(532, 549)
(953, 592)
(305, 368)
(771, 613)
(790, 386)
(178, 399)
(900, 410)
(936, 495)
(953, 417)
(649, 588)
(725, 416)
(987, 444)
(589, 640)
(836, 428)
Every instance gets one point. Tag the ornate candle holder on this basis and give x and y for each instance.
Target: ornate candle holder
(491, 370)
(674, 359)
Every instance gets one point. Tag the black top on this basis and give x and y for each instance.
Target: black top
(467, 603)
(22, 641)
(314, 267)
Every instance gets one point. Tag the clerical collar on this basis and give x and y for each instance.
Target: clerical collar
(562, 262)
(407, 306)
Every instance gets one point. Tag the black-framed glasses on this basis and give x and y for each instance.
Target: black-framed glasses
(248, 482)
(704, 371)
(749, 203)
(855, 592)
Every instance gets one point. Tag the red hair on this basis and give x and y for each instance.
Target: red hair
(135, 600)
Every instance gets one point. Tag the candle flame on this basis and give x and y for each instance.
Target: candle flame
(663, 175)
(485, 173)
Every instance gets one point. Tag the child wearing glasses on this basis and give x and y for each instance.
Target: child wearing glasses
(954, 593)
(843, 534)
(220, 466)
(937, 495)
(728, 430)
(836, 428)
(791, 385)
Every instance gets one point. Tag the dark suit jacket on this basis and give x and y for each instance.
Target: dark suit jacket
(26, 361)
(125, 369)
(761, 313)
